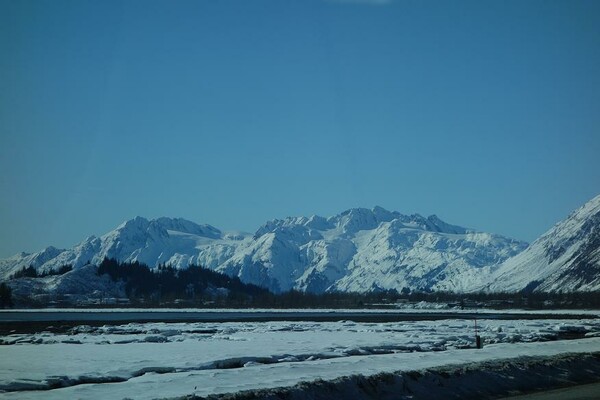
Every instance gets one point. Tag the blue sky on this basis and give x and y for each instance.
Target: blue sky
(233, 112)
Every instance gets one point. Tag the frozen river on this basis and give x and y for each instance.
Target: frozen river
(127, 354)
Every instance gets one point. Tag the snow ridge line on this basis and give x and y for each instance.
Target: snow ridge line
(488, 379)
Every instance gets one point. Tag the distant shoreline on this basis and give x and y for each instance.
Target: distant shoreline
(61, 320)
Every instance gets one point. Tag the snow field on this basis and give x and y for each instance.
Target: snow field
(155, 360)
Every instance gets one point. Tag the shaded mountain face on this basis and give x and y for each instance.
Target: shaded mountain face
(566, 258)
(358, 250)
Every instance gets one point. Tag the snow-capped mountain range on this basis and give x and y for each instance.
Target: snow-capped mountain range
(358, 250)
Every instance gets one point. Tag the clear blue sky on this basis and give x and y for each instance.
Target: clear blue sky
(486, 113)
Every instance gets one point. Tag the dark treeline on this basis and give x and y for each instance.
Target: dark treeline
(166, 283)
(31, 272)
(5, 295)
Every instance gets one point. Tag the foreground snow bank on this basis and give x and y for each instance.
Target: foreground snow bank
(489, 379)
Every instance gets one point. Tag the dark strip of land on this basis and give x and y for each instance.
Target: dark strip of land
(32, 321)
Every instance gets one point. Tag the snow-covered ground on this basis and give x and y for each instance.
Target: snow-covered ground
(158, 360)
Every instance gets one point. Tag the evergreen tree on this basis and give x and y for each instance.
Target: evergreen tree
(5, 296)
(25, 272)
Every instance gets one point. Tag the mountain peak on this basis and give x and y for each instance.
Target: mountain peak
(186, 226)
(356, 219)
(136, 221)
(164, 224)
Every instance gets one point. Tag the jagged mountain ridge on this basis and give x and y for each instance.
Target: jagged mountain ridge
(363, 250)
(173, 241)
(565, 258)
(357, 250)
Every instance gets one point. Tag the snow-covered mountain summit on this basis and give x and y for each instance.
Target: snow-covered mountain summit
(357, 250)
(174, 241)
(367, 249)
(566, 258)
(354, 220)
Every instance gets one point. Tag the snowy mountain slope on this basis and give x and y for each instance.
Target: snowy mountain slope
(161, 241)
(81, 283)
(363, 250)
(358, 250)
(401, 257)
(566, 258)
(16, 262)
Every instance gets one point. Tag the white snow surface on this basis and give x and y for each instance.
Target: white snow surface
(566, 258)
(157, 360)
(358, 250)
